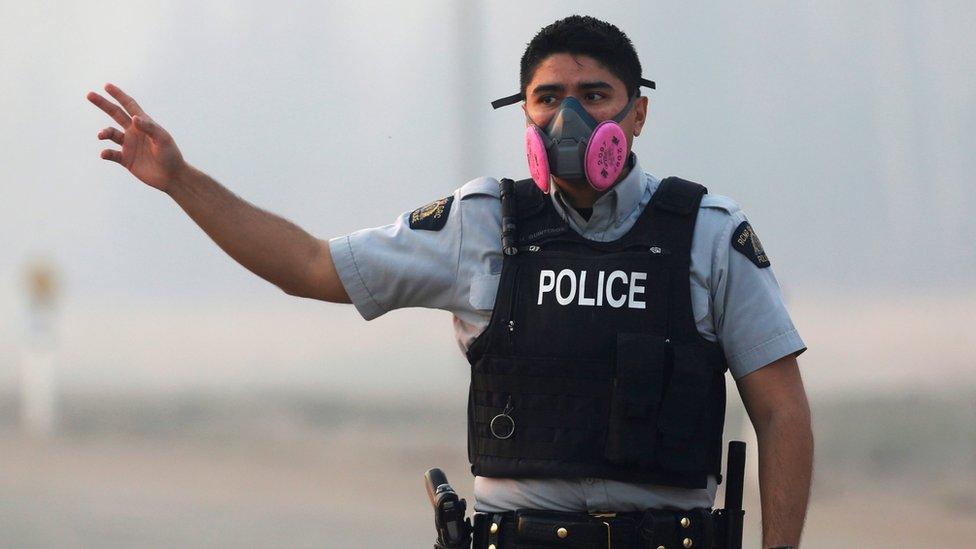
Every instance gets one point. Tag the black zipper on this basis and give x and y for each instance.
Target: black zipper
(510, 326)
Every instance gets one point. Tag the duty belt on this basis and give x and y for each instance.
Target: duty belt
(700, 527)
(650, 529)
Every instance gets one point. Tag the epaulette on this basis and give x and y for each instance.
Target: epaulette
(480, 186)
(720, 202)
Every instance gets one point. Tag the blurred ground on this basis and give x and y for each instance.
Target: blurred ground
(301, 471)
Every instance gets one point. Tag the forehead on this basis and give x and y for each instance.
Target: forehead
(569, 69)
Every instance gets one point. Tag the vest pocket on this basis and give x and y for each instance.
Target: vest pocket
(681, 443)
(636, 398)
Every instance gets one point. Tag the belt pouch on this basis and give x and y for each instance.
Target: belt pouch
(666, 528)
(657, 528)
(479, 530)
(557, 529)
(494, 529)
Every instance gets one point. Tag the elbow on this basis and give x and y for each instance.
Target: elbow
(332, 294)
(292, 291)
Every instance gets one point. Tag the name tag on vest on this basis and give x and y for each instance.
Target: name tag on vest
(593, 288)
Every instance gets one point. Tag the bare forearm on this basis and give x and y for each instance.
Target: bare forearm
(785, 472)
(269, 246)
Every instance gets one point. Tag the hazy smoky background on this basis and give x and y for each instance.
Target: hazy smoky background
(199, 405)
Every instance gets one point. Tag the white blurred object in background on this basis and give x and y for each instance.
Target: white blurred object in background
(38, 389)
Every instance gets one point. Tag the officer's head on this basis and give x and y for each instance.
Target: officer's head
(587, 59)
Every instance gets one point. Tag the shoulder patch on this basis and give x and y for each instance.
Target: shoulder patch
(433, 216)
(745, 241)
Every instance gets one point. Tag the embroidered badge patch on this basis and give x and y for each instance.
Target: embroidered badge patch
(744, 240)
(433, 216)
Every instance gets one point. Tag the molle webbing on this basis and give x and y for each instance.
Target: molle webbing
(594, 353)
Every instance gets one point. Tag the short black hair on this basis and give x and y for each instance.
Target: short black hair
(584, 35)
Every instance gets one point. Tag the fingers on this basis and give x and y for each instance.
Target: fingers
(110, 109)
(111, 133)
(114, 156)
(129, 103)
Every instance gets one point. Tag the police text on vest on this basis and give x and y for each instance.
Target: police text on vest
(617, 288)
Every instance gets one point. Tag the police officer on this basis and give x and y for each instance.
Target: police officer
(599, 307)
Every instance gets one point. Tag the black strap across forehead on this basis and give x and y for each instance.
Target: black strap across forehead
(512, 99)
(506, 101)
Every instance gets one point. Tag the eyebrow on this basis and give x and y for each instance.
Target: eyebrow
(584, 86)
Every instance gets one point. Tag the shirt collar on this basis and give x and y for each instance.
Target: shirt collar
(611, 209)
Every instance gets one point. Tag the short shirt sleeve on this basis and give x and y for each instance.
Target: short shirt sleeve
(751, 320)
(412, 262)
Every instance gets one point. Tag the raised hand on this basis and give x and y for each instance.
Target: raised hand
(148, 151)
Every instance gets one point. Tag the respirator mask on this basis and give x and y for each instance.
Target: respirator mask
(574, 146)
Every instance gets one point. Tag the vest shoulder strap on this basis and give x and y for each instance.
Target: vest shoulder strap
(678, 196)
(529, 198)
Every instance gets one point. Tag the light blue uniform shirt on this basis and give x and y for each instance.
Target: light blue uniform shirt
(457, 268)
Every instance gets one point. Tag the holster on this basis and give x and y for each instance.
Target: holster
(662, 528)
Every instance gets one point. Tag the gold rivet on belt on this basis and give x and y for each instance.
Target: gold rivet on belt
(562, 533)
(687, 542)
(685, 522)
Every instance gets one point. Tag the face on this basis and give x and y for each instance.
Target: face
(584, 78)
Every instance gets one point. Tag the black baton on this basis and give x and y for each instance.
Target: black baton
(734, 476)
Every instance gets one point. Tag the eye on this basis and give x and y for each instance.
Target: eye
(593, 96)
(547, 99)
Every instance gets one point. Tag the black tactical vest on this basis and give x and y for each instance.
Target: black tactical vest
(592, 365)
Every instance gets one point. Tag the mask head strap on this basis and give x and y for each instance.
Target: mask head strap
(506, 101)
(626, 110)
(513, 99)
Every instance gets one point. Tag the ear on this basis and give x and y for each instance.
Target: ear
(640, 114)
